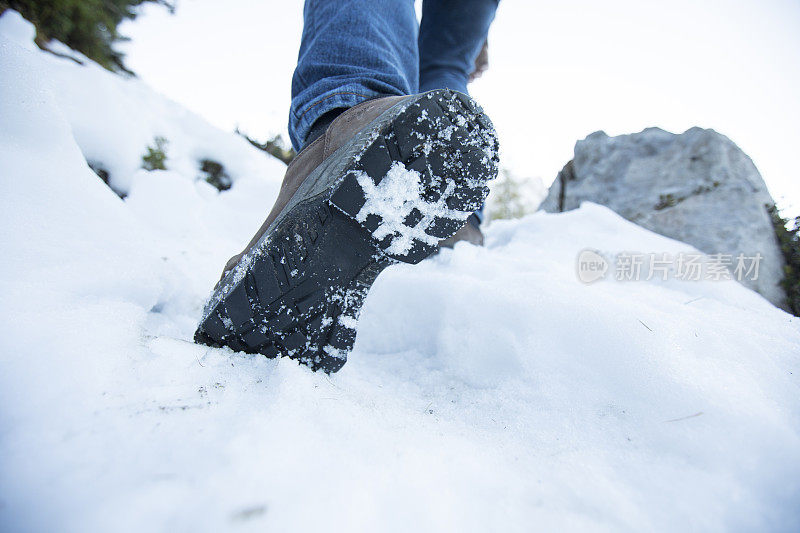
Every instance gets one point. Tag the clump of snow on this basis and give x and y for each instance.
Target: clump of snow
(348, 321)
(394, 198)
(488, 389)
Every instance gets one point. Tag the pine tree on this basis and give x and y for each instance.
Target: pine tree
(88, 26)
(507, 199)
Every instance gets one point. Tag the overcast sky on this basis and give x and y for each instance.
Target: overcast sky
(559, 70)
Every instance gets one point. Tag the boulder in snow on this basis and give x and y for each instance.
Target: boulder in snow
(697, 187)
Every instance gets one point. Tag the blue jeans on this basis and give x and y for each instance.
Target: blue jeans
(356, 50)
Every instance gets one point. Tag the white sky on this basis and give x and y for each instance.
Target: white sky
(559, 70)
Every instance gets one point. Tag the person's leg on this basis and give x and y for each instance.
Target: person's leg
(387, 180)
(351, 51)
(451, 35)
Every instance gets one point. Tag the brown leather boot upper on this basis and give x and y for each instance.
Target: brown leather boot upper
(341, 130)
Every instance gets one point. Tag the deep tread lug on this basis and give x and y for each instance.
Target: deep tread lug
(213, 328)
(442, 228)
(420, 165)
(406, 136)
(465, 199)
(419, 251)
(311, 301)
(237, 306)
(295, 341)
(314, 327)
(266, 283)
(413, 218)
(349, 197)
(255, 338)
(372, 222)
(235, 344)
(280, 322)
(343, 338)
(376, 160)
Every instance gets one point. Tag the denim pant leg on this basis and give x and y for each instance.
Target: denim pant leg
(352, 51)
(451, 35)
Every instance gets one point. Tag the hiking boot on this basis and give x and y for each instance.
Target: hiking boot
(469, 232)
(385, 183)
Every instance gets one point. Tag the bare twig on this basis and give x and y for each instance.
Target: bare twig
(685, 417)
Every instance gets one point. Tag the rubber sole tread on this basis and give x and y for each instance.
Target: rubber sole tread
(300, 292)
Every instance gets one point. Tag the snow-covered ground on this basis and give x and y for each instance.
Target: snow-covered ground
(489, 388)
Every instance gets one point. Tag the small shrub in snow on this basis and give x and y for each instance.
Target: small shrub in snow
(156, 156)
(788, 234)
(214, 173)
(670, 200)
(101, 172)
(274, 147)
(105, 175)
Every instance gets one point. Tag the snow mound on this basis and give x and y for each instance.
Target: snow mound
(114, 119)
(488, 389)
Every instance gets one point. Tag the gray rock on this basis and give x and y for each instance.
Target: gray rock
(697, 187)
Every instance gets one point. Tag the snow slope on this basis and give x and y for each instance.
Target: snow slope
(488, 388)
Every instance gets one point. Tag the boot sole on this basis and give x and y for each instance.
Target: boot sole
(408, 180)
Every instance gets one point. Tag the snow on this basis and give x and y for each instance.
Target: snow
(114, 119)
(488, 389)
(393, 199)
